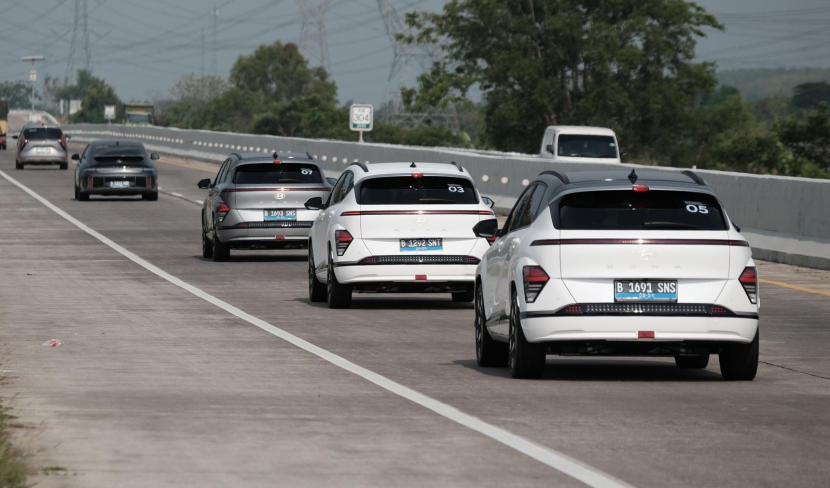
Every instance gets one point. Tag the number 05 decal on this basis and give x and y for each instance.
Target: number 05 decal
(697, 208)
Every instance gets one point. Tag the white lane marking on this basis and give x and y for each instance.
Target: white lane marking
(550, 457)
(197, 202)
(176, 194)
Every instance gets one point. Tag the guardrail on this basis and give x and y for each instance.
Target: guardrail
(785, 219)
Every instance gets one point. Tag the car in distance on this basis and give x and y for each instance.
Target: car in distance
(580, 144)
(116, 168)
(256, 202)
(41, 144)
(604, 263)
(396, 227)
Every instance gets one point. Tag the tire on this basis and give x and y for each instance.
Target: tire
(464, 296)
(207, 246)
(18, 165)
(739, 362)
(221, 251)
(525, 360)
(317, 291)
(489, 353)
(83, 197)
(337, 295)
(692, 362)
(77, 193)
(152, 197)
(64, 165)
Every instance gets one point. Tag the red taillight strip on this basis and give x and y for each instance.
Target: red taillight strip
(646, 242)
(355, 213)
(281, 190)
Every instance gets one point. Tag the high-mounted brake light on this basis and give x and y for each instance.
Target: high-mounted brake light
(535, 279)
(640, 188)
(342, 239)
(278, 162)
(749, 280)
(417, 176)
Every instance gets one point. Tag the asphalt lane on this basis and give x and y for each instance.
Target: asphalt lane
(232, 395)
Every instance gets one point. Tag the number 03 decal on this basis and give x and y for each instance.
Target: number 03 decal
(697, 208)
(455, 188)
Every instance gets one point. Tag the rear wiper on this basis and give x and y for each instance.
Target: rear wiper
(668, 225)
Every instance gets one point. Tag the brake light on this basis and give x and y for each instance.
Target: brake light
(342, 239)
(278, 162)
(89, 182)
(640, 188)
(222, 210)
(23, 144)
(749, 280)
(535, 279)
(491, 239)
(63, 142)
(417, 176)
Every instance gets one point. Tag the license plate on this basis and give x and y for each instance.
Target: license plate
(645, 290)
(270, 215)
(41, 150)
(119, 184)
(417, 245)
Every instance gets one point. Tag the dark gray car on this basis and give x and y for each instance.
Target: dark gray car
(258, 202)
(41, 144)
(116, 167)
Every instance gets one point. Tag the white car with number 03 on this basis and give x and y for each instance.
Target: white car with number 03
(616, 263)
(397, 227)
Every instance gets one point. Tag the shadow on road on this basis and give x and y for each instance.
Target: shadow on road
(257, 258)
(612, 369)
(390, 302)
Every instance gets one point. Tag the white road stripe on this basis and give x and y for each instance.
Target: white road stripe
(552, 458)
(176, 194)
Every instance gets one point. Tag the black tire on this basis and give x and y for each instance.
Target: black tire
(489, 352)
(317, 291)
(221, 251)
(337, 295)
(18, 165)
(525, 360)
(152, 197)
(692, 362)
(739, 362)
(207, 246)
(77, 193)
(83, 197)
(64, 165)
(466, 296)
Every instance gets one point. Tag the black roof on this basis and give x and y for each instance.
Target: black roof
(126, 143)
(622, 176)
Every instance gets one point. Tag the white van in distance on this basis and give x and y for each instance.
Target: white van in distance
(580, 144)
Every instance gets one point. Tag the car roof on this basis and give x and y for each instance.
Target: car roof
(616, 178)
(40, 125)
(582, 129)
(255, 157)
(407, 168)
(107, 143)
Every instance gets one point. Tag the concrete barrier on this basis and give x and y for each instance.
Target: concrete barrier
(785, 219)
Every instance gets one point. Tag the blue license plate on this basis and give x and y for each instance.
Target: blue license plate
(645, 290)
(277, 215)
(420, 245)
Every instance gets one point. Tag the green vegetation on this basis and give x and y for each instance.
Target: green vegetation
(94, 94)
(17, 93)
(12, 470)
(756, 84)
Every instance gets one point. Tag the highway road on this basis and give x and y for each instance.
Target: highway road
(176, 371)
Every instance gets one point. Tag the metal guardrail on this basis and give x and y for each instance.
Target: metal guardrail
(786, 219)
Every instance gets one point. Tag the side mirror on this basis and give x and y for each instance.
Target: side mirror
(155, 156)
(76, 157)
(487, 229)
(67, 136)
(488, 201)
(204, 184)
(331, 181)
(550, 149)
(315, 203)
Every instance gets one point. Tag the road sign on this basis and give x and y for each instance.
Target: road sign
(361, 118)
(32, 75)
(109, 112)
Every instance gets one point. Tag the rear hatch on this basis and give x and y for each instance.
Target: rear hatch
(44, 141)
(419, 215)
(648, 246)
(266, 191)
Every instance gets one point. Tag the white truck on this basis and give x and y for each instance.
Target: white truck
(580, 144)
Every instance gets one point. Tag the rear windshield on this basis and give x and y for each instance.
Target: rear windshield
(627, 210)
(586, 146)
(119, 156)
(406, 190)
(270, 173)
(42, 134)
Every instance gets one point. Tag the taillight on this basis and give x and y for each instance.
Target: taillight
(535, 279)
(491, 239)
(149, 182)
(749, 280)
(342, 239)
(63, 142)
(222, 210)
(23, 144)
(89, 182)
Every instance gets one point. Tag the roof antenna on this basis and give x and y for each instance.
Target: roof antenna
(276, 155)
(632, 177)
(412, 165)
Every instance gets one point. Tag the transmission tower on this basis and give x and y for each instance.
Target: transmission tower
(314, 43)
(80, 35)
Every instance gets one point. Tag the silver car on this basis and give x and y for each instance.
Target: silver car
(258, 202)
(41, 144)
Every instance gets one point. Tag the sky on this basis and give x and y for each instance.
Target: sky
(143, 47)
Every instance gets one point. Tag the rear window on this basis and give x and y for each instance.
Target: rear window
(270, 173)
(586, 146)
(406, 190)
(628, 210)
(119, 155)
(42, 134)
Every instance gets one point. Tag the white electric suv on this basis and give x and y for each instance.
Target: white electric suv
(617, 264)
(397, 227)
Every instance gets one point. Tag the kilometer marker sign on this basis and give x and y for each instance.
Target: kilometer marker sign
(361, 118)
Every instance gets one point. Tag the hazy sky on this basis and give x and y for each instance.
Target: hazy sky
(143, 47)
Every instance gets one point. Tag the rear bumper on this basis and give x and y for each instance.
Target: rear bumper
(273, 237)
(42, 159)
(120, 191)
(628, 328)
(404, 273)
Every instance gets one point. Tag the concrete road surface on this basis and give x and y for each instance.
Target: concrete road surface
(177, 371)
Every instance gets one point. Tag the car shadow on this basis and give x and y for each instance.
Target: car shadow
(606, 369)
(397, 303)
(258, 258)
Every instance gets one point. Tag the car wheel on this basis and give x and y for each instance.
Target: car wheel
(464, 296)
(739, 362)
(64, 165)
(221, 251)
(150, 196)
(316, 290)
(77, 193)
(83, 197)
(692, 362)
(18, 165)
(525, 360)
(337, 295)
(488, 351)
(207, 246)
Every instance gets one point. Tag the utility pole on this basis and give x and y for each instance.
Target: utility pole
(73, 44)
(32, 76)
(203, 52)
(215, 28)
(85, 27)
(314, 43)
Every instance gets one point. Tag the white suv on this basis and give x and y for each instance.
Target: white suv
(615, 264)
(397, 227)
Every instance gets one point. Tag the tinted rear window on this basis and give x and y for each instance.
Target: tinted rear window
(627, 210)
(406, 190)
(42, 134)
(270, 173)
(585, 146)
(119, 155)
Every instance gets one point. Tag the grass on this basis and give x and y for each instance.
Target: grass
(12, 469)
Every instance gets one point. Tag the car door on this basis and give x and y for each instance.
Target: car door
(210, 200)
(322, 229)
(513, 244)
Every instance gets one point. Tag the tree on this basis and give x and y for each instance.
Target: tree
(17, 93)
(809, 140)
(94, 93)
(628, 64)
(810, 95)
